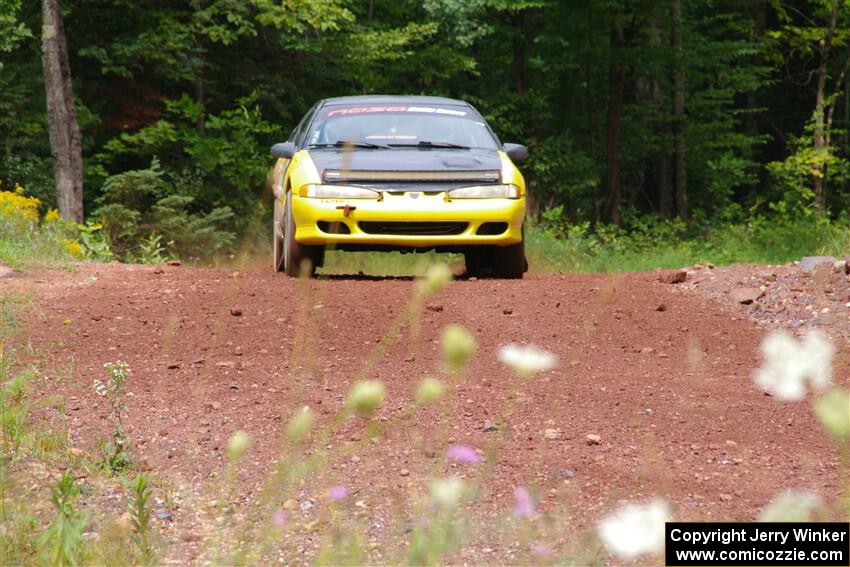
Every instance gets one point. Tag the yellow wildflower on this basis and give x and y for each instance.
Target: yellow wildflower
(17, 211)
(74, 249)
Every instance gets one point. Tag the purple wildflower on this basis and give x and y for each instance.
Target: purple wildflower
(338, 492)
(279, 519)
(541, 549)
(463, 454)
(523, 505)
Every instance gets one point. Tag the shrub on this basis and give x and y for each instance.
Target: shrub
(145, 219)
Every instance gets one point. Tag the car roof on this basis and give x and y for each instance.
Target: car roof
(391, 99)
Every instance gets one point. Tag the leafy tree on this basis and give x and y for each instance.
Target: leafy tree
(818, 33)
(634, 110)
(12, 30)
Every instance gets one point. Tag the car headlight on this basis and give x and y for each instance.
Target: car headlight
(316, 191)
(506, 191)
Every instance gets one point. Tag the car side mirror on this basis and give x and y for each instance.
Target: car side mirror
(284, 150)
(516, 152)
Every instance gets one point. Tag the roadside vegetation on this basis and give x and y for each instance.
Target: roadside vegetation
(59, 504)
(651, 244)
(33, 239)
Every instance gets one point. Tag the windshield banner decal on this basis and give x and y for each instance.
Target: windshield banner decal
(418, 109)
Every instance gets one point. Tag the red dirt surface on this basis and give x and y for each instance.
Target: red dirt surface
(662, 377)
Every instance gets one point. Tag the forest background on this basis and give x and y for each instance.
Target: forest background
(661, 132)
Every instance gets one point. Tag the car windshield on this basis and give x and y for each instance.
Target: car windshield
(452, 127)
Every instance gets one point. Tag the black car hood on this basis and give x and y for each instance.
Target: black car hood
(405, 159)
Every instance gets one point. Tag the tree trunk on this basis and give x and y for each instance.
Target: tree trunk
(847, 115)
(65, 143)
(679, 115)
(847, 120)
(820, 145)
(591, 111)
(615, 109)
(199, 97)
(830, 114)
(759, 12)
(662, 161)
(847, 127)
(519, 49)
(665, 190)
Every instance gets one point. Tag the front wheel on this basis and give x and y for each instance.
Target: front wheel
(509, 261)
(289, 254)
(277, 237)
(494, 261)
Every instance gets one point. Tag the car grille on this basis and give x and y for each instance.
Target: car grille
(413, 228)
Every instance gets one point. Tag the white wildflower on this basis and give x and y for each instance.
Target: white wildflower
(436, 279)
(365, 397)
(446, 492)
(429, 390)
(527, 360)
(300, 424)
(791, 506)
(635, 529)
(458, 347)
(788, 364)
(100, 388)
(237, 445)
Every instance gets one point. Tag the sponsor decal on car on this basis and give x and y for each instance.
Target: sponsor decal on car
(418, 109)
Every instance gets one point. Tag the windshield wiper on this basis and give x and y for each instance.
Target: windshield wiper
(430, 144)
(344, 143)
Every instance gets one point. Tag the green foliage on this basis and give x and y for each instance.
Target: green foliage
(146, 222)
(724, 175)
(220, 170)
(435, 539)
(13, 420)
(648, 243)
(793, 175)
(192, 236)
(31, 171)
(151, 250)
(94, 242)
(62, 542)
(12, 31)
(119, 225)
(563, 173)
(140, 517)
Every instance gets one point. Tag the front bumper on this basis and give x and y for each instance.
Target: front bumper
(399, 219)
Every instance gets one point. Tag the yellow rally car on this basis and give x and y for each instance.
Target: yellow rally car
(405, 173)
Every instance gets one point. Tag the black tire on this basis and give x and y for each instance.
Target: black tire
(496, 262)
(472, 259)
(479, 261)
(509, 261)
(294, 254)
(277, 237)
